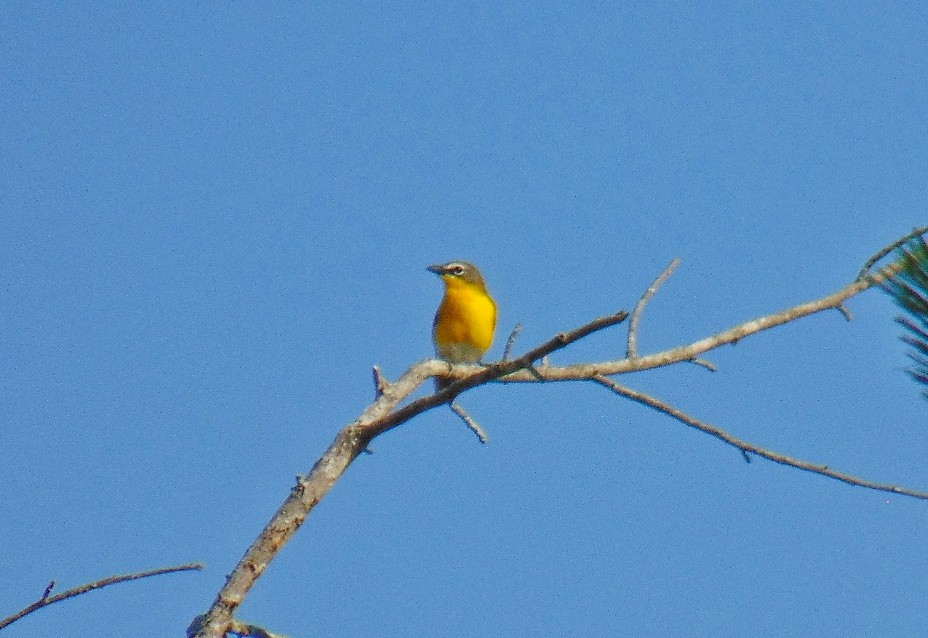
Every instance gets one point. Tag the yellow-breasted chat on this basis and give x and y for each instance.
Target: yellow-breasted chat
(466, 318)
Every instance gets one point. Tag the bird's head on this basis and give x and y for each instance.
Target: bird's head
(460, 272)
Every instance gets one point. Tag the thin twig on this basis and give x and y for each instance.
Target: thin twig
(469, 421)
(746, 447)
(632, 350)
(708, 365)
(47, 600)
(380, 383)
(888, 249)
(844, 310)
(511, 341)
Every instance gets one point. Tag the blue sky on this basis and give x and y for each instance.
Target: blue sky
(215, 217)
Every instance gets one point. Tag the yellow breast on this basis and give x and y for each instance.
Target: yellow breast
(465, 322)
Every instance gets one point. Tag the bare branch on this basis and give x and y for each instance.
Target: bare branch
(888, 249)
(745, 447)
(469, 421)
(632, 350)
(386, 412)
(47, 600)
(585, 371)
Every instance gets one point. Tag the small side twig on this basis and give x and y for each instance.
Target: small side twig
(469, 421)
(745, 447)
(380, 383)
(47, 600)
(844, 310)
(888, 249)
(705, 363)
(632, 350)
(511, 341)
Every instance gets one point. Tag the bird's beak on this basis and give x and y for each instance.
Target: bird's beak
(438, 269)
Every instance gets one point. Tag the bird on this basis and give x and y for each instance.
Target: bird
(466, 317)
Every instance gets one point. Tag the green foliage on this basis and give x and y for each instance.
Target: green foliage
(909, 289)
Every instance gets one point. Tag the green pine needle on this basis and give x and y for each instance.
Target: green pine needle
(909, 289)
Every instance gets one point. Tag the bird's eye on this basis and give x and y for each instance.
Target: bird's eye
(457, 270)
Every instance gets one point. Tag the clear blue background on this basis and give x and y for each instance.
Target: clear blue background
(215, 217)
